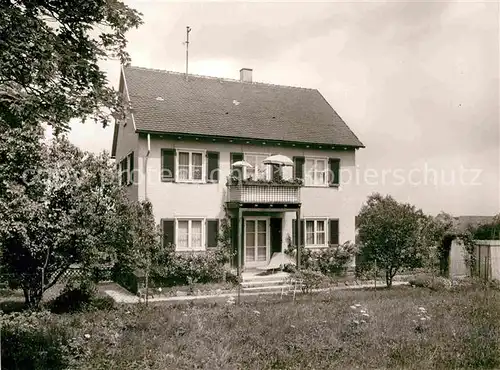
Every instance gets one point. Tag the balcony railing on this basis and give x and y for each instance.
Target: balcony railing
(268, 192)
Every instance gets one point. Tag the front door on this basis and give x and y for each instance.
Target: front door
(276, 237)
(256, 241)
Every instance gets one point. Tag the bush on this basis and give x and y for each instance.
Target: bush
(310, 279)
(334, 260)
(331, 261)
(74, 297)
(188, 268)
(432, 283)
(102, 303)
(130, 280)
(82, 296)
(33, 341)
(232, 278)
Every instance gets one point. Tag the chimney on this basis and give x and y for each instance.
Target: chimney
(246, 75)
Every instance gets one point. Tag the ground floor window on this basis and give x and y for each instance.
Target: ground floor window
(315, 233)
(189, 234)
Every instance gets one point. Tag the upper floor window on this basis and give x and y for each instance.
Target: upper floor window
(126, 169)
(186, 165)
(316, 173)
(190, 166)
(258, 171)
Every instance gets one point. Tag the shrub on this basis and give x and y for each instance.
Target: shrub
(81, 296)
(331, 261)
(105, 303)
(232, 278)
(188, 268)
(32, 341)
(74, 297)
(432, 283)
(130, 280)
(306, 260)
(310, 279)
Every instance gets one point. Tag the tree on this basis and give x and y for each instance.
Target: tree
(146, 242)
(62, 212)
(446, 231)
(57, 203)
(50, 52)
(394, 235)
(487, 231)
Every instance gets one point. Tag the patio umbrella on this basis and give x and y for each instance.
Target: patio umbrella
(278, 159)
(242, 164)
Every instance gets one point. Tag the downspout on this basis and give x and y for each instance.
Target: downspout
(146, 169)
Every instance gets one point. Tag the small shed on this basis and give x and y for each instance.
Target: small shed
(486, 260)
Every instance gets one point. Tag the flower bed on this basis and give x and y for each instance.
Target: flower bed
(235, 180)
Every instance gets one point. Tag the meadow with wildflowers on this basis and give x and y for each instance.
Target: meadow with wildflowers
(400, 328)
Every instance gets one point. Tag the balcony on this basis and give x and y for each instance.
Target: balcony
(263, 192)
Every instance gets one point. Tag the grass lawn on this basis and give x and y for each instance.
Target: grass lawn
(338, 330)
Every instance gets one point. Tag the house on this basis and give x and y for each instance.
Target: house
(177, 146)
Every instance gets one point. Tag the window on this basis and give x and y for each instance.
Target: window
(315, 232)
(258, 171)
(130, 159)
(189, 235)
(316, 172)
(123, 171)
(126, 169)
(190, 166)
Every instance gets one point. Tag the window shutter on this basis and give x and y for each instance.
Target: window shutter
(295, 232)
(168, 165)
(213, 167)
(168, 232)
(298, 166)
(334, 232)
(124, 173)
(212, 233)
(131, 168)
(334, 173)
(235, 157)
(302, 233)
(234, 240)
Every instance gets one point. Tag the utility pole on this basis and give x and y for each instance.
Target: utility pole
(188, 29)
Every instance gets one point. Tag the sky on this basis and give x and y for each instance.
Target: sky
(417, 82)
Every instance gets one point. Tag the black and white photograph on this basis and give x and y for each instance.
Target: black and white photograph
(249, 185)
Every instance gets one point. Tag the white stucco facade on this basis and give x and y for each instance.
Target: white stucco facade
(173, 200)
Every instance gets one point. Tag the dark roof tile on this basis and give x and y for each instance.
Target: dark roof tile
(222, 107)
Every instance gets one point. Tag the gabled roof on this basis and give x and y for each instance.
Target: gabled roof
(164, 102)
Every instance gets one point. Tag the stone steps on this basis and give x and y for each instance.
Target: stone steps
(260, 283)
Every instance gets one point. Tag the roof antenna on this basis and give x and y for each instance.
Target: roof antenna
(188, 29)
